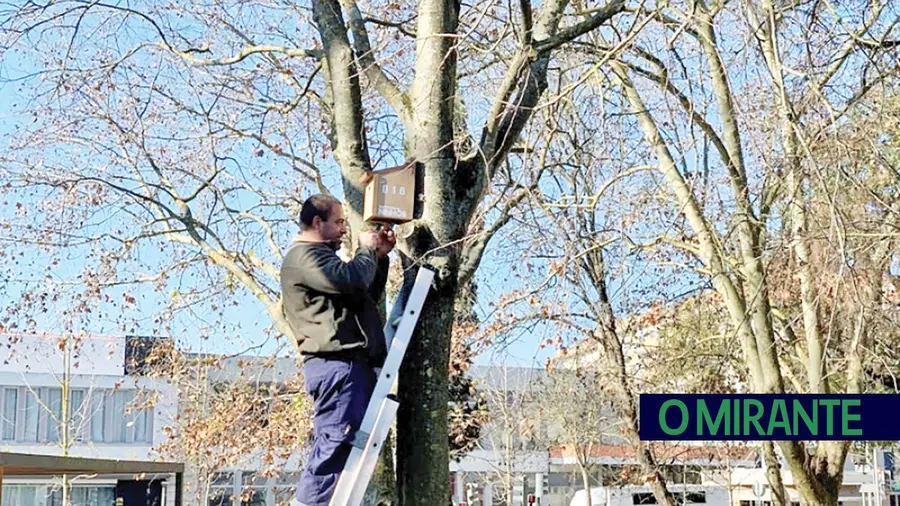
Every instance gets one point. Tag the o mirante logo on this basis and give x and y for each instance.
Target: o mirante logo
(686, 417)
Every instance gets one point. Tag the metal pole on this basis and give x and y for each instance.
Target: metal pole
(875, 475)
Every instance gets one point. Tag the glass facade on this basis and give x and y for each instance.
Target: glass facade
(34, 415)
(50, 494)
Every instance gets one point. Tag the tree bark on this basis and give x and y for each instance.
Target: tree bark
(748, 224)
(818, 479)
(815, 365)
(710, 252)
(422, 433)
(344, 99)
(773, 474)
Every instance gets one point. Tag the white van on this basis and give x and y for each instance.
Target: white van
(686, 495)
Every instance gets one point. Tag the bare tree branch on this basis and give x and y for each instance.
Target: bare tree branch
(388, 89)
(569, 34)
(349, 139)
(242, 55)
(526, 80)
(527, 22)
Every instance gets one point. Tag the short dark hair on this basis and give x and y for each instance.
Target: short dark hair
(317, 205)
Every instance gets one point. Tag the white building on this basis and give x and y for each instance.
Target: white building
(104, 418)
(861, 486)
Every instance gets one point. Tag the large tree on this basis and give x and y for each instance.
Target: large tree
(745, 144)
(168, 146)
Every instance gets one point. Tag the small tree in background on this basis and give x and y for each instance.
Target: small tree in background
(230, 411)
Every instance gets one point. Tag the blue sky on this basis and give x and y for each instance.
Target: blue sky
(239, 327)
(245, 323)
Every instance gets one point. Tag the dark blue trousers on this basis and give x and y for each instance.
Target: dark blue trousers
(341, 389)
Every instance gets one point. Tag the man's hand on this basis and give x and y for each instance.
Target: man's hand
(387, 240)
(370, 239)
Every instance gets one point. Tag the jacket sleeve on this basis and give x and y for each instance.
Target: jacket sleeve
(325, 272)
(376, 289)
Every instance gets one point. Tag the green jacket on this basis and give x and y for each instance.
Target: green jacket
(330, 304)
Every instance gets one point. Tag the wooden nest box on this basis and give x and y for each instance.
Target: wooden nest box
(392, 195)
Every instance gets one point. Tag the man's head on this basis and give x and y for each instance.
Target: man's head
(322, 218)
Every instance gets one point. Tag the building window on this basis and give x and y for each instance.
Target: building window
(99, 495)
(77, 415)
(53, 401)
(143, 419)
(115, 420)
(643, 499)
(54, 415)
(35, 415)
(691, 497)
(97, 421)
(682, 475)
(23, 495)
(221, 488)
(84, 495)
(247, 488)
(8, 413)
(285, 486)
(30, 416)
(117, 429)
(695, 497)
(253, 489)
(617, 475)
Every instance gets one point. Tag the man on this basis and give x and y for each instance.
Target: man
(330, 306)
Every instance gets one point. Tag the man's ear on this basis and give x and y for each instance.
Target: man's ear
(316, 223)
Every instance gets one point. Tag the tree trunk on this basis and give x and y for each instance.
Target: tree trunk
(624, 399)
(64, 417)
(586, 481)
(508, 477)
(756, 294)
(452, 190)
(423, 444)
(818, 479)
(422, 433)
(66, 490)
(773, 474)
(582, 452)
(757, 340)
